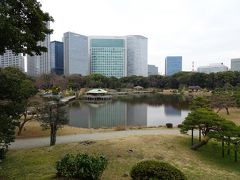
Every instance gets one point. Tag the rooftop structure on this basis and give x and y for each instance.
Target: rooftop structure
(213, 68)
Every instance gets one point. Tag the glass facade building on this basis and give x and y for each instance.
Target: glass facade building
(137, 62)
(11, 59)
(152, 70)
(108, 56)
(75, 54)
(235, 64)
(173, 64)
(56, 50)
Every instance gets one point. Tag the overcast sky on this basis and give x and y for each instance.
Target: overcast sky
(203, 31)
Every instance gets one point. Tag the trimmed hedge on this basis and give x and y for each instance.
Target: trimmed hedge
(169, 125)
(152, 169)
(81, 166)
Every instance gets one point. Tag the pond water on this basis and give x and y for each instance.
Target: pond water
(147, 110)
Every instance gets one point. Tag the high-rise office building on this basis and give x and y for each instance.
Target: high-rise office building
(212, 68)
(152, 70)
(40, 64)
(137, 48)
(173, 64)
(76, 59)
(11, 59)
(108, 55)
(235, 64)
(56, 57)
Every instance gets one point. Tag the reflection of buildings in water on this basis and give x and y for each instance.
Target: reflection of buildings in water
(109, 115)
(137, 114)
(79, 116)
(98, 116)
(171, 111)
(113, 114)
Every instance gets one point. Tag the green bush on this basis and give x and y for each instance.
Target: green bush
(2, 153)
(169, 125)
(81, 166)
(152, 169)
(180, 125)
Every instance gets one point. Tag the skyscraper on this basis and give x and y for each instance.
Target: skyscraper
(173, 64)
(76, 59)
(235, 64)
(11, 59)
(152, 70)
(108, 55)
(137, 62)
(56, 51)
(38, 65)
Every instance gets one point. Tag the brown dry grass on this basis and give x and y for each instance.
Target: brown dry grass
(233, 116)
(34, 129)
(123, 153)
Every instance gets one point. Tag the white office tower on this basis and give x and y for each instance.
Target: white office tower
(76, 59)
(38, 65)
(235, 64)
(11, 59)
(137, 62)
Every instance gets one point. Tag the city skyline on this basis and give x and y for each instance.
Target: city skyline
(200, 31)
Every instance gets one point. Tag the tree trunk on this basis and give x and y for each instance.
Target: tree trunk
(200, 144)
(199, 138)
(53, 134)
(219, 109)
(21, 127)
(192, 136)
(223, 147)
(235, 152)
(228, 143)
(227, 110)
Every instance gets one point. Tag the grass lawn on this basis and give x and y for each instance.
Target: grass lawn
(233, 116)
(207, 163)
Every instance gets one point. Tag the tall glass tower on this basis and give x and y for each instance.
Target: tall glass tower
(108, 55)
(173, 64)
(56, 50)
(75, 54)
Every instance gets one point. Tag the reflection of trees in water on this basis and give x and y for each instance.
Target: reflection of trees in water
(96, 104)
(176, 101)
(75, 103)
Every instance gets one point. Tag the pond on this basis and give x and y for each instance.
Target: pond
(147, 111)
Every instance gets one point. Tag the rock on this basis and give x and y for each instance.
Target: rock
(126, 174)
(87, 142)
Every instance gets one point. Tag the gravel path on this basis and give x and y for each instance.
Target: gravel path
(44, 141)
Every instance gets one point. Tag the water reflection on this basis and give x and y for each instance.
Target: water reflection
(171, 111)
(136, 111)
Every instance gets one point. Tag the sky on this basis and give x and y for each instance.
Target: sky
(203, 31)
